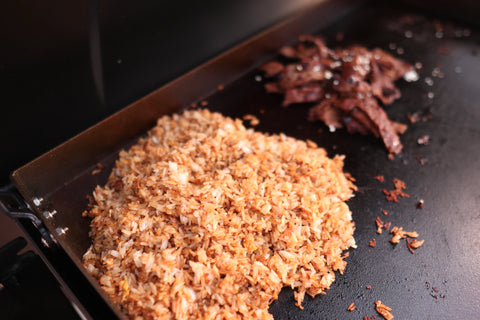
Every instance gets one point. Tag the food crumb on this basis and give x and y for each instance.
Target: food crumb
(383, 310)
(347, 175)
(399, 184)
(423, 115)
(372, 243)
(369, 287)
(220, 87)
(351, 307)
(253, 120)
(394, 194)
(384, 212)
(434, 291)
(423, 140)
(379, 178)
(381, 225)
(399, 234)
(368, 318)
(204, 103)
(436, 72)
(98, 169)
(415, 244)
(420, 204)
(409, 246)
(421, 160)
(193, 105)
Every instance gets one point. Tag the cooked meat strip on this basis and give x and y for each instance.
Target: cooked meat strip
(353, 126)
(273, 87)
(328, 113)
(318, 42)
(385, 127)
(343, 83)
(382, 86)
(303, 94)
(389, 65)
(295, 75)
(272, 68)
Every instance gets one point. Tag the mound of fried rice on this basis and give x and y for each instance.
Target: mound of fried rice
(205, 219)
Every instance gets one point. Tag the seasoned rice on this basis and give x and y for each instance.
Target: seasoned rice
(205, 219)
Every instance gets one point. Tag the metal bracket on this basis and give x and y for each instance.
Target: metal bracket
(16, 209)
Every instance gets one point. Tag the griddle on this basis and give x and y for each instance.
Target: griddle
(441, 280)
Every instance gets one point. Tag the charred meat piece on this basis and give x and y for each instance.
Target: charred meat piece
(328, 113)
(360, 115)
(348, 86)
(389, 65)
(296, 75)
(303, 94)
(382, 86)
(272, 68)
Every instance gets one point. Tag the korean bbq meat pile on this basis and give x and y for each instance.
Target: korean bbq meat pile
(348, 86)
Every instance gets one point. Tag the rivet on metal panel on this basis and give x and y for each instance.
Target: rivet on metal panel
(49, 214)
(61, 231)
(37, 201)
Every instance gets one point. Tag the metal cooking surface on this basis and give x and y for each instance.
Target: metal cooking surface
(447, 182)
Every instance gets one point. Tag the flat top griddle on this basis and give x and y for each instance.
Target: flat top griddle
(442, 279)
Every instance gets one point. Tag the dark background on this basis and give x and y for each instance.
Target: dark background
(66, 65)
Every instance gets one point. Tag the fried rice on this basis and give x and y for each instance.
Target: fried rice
(205, 219)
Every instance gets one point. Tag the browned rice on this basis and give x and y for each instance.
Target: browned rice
(204, 219)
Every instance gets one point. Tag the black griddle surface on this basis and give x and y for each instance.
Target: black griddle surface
(442, 279)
